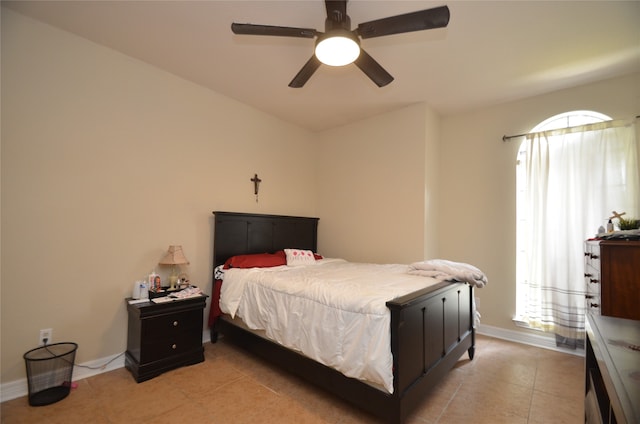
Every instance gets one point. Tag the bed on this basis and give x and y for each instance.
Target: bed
(430, 328)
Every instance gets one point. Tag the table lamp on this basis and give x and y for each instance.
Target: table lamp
(174, 256)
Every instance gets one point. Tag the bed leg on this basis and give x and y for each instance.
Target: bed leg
(214, 335)
(472, 349)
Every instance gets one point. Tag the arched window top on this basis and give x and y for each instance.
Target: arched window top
(570, 119)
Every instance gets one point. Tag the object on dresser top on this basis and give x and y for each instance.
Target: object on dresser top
(622, 235)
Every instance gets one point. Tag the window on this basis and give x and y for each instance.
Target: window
(572, 171)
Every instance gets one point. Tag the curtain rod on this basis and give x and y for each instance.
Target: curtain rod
(506, 138)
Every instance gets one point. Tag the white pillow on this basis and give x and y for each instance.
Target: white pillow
(299, 257)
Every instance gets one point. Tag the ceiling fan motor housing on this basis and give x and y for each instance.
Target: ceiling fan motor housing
(337, 21)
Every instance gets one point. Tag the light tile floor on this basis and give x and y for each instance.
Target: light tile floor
(505, 383)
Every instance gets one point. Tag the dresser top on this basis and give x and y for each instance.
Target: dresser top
(616, 345)
(615, 242)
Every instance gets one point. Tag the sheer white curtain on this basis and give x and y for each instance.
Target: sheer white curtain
(574, 178)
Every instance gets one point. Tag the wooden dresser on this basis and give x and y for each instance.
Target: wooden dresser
(612, 377)
(612, 278)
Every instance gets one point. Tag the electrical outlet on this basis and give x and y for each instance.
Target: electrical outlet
(47, 334)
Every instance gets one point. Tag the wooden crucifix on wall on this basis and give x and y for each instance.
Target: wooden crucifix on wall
(256, 185)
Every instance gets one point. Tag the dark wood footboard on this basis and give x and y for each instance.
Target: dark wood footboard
(430, 330)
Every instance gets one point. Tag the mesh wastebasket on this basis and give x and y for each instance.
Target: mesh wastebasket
(49, 372)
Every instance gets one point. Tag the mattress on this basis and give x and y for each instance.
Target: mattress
(332, 311)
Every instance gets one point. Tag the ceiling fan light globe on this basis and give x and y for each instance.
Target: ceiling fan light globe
(337, 50)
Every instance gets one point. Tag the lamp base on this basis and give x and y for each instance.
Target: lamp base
(173, 279)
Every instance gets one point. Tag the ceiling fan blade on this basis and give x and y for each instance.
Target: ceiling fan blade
(372, 69)
(251, 29)
(437, 17)
(305, 73)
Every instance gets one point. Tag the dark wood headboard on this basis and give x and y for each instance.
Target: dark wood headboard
(245, 233)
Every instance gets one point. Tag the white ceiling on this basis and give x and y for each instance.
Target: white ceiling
(491, 52)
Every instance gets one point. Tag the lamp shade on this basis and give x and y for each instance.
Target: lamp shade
(337, 49)
(174, 256)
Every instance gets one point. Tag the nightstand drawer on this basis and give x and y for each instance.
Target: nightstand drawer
(177, 344)
(169, 325)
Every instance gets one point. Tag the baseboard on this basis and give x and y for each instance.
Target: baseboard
(19, 388)
(531, 339)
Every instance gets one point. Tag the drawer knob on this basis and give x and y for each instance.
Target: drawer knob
(173, 346)
(594, 280)
(594, 256)
(593, 305)
(588, 296)
(588, 275)
(175, 323)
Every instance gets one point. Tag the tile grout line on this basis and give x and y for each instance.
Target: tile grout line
(448, 403)
(533, 391)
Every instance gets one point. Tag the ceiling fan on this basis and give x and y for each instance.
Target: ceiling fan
(339, 45)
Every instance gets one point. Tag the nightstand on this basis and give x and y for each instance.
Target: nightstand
(164, 336)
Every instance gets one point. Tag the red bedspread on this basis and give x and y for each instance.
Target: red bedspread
(215, 311)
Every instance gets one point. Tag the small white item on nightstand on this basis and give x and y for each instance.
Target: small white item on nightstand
(136, 290)
(144, 290)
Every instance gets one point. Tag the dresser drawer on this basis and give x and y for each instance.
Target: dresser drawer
(592, 259)
(592, 304)
(592, 284)
(591, 274)
(592, 280)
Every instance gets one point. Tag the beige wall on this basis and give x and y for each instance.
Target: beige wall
(371, 180)
(432, 191)
(105, 162)
(477, 205)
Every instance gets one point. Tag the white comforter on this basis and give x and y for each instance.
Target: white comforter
(333, 311)
(442, 269)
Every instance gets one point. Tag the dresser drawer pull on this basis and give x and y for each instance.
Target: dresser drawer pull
(593, 305)
(175, 323)
(173, 346)
(587, 275)
(594, 280)
(592, 256)
(588, 296)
